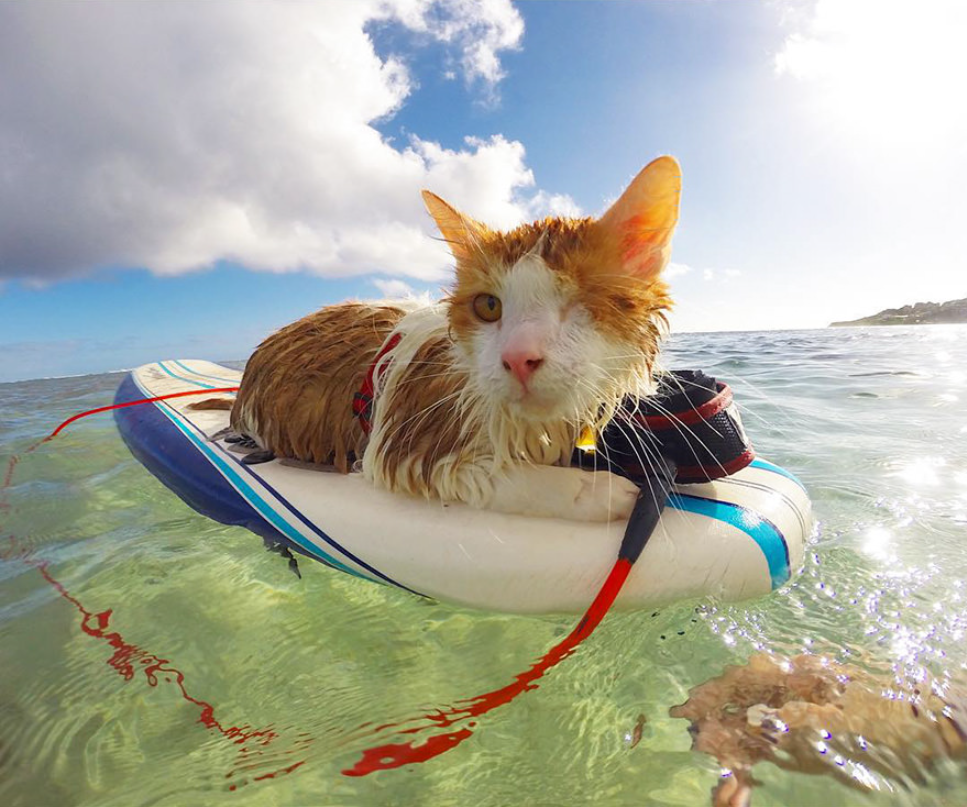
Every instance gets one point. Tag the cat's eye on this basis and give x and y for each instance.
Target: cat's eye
(487, 307)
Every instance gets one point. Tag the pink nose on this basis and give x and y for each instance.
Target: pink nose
(522, 363)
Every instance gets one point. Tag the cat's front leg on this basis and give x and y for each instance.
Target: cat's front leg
(571, 493)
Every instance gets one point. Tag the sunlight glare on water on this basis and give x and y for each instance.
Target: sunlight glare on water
(153, 657)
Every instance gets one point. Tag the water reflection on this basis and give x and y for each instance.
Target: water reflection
(877, 543)
(851, 412)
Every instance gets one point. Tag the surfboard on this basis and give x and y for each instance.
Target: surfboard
(735, 538)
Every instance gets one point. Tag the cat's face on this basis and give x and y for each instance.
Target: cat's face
(555, 317)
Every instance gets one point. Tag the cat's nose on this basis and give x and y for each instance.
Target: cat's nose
(522, 363)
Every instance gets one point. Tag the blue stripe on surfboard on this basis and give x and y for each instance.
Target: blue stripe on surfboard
(187, 369)
(768, 466)
(770, 541)
(251, 497)
(263, 508)
(766, 535)
(791, 503)
(298, 514)
(201, 384)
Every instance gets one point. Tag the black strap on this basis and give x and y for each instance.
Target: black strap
(655, 486)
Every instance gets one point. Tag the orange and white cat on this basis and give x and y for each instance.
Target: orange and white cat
(545, 330)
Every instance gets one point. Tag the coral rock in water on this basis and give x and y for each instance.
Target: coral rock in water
(812, 715)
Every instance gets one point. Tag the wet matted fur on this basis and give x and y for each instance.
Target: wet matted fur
(297, 390)
(454, 417)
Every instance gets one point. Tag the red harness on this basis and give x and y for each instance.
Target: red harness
(363, 400)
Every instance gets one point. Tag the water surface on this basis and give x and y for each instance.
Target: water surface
(149, 656)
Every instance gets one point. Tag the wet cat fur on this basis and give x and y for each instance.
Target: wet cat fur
(448, 424)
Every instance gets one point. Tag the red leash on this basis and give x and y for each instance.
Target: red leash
(70, 420)
(393, 755)
(129, 658)
(12, 463)
(655, 485)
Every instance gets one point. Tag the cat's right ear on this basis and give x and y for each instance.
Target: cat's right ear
(460, 232)
(641, 223)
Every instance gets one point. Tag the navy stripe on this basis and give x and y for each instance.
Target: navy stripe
(321, 534)
(298, 514)
(766, 535)
(786, 500)
(261, 508)
(768, 466)
(147, 432)
(282, 529)
(264, 509)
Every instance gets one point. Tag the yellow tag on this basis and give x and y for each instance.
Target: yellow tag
(586, 441)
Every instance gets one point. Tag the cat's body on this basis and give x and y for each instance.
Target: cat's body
(482, 396)
(297, 390)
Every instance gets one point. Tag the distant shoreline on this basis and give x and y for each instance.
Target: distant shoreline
(952, 312)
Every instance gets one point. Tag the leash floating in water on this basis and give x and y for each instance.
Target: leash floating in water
(655, 488)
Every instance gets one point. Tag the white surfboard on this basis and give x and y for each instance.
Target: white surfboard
(735, 538)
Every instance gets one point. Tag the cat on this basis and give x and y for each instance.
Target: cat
(482, 396)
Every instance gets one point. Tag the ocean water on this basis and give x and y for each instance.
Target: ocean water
(149, 656)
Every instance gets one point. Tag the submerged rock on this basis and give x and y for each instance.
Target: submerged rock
(811, 715)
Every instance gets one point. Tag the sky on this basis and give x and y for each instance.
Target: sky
(178, 180)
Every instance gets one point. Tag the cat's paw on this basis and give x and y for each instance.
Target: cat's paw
(569, 493)
(603, 496)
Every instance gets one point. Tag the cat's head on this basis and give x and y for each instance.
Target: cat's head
(554, 318)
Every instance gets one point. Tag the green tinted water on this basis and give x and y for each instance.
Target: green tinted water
(92, 711)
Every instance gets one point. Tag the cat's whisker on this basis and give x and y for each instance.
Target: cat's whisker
(445, 419)
(648, 459)
(783, 410)
(654, 461)
(421, 414)
(745, 409)
(691, 438)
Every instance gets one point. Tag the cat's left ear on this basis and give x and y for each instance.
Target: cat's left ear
(641, 223)
(460, 232)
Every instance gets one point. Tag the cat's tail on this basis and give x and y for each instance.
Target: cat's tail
(213, 403)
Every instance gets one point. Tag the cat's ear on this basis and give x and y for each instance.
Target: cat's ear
(460, 232)
(641, 223)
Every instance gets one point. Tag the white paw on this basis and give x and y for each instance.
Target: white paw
(570, 493)
(603, 496)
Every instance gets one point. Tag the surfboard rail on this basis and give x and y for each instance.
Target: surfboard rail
(738, 537)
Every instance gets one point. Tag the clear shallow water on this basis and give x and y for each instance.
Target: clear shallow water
(140, 643)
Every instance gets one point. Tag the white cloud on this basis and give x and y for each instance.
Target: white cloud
(543, 204)
(720, 275)
(885, 70)
(875, 85)
(676, 270)
(708, 275)
(480, 180)
(480, 29)
(393, 288)
(172, 136)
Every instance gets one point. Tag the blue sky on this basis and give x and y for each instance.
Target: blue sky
(179, 182)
